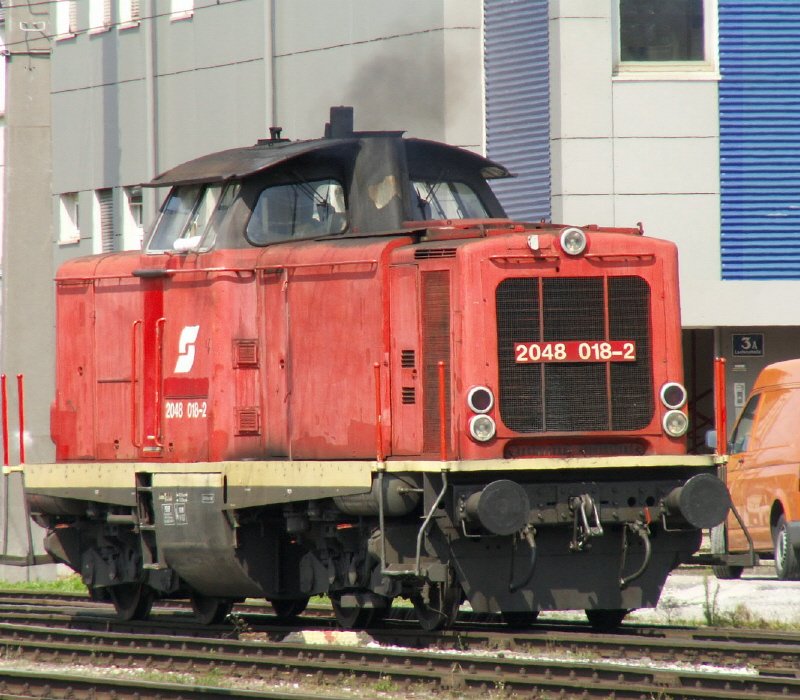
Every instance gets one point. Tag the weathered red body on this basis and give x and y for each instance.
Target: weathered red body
(282, 364)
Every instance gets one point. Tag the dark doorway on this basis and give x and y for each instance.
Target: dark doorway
(698, 366)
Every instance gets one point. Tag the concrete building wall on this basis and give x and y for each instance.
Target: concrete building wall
(640, 146)
(28, 314)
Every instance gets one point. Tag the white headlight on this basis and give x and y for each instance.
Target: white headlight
(480, 399)
(482, 428)
(675, 423)
(673, 395)
(573, 241)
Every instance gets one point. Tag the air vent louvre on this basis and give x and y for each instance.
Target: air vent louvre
(428, 253)
(408, 359)
(409, 395)
(248, 420)
(245, 352)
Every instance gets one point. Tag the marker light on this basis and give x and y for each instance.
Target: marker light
(673, 395)
(573, 241)
(480, 399)
(482, 428)
(675, 423)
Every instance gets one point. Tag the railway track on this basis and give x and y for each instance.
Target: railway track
(476, 658)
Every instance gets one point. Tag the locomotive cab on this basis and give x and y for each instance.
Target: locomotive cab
(337, 367)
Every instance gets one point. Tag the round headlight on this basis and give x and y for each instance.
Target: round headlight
(675, 423)
(480, 399)
(573, 241)
(482, 428)
(673, 395)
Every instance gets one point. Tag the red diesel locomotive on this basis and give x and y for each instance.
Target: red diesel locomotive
(338, 368)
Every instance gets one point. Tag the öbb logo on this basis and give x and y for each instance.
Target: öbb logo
(186, 345)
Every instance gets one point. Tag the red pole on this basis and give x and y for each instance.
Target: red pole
(442, 415)
(720, 405)
(378, 413)
(4, 400)
(21, 400)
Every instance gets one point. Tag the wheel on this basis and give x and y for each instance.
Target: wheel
(520, 618)
(719, 546)
(441, 609)
(786, 564)
(287, 610)
(605, 620)
(353, 618)
(209, 610)
(132, 601)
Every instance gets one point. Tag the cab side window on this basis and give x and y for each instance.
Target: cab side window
(191, 216)
(744, 428)
(297, 210)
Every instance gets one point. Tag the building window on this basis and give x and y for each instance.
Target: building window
(66, 18)
(68, 229)
(132, 224)
(129, 12)
(99, 15)
(662, 31)
(181, 9)
(103, 221)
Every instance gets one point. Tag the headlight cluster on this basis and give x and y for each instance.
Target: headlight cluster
(482, 427)
(675, 421)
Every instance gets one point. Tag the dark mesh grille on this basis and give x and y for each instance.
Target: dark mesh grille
(629, 319)
(574, 397)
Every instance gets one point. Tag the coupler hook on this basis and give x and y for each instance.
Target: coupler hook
(584, 508)
(643, 531)
(527, 533)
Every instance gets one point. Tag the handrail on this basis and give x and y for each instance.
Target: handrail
(159, 379)
(4, 401)
(21, 408)
(378, 414)
(442, 414)
(164, 272)
(134, 379)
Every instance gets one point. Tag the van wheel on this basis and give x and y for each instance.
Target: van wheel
(718, 546)
(786, 564)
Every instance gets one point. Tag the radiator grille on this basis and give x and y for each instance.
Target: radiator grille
(574, 397)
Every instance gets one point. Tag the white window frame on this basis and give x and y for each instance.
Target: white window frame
(707, 69)
(69, 231)
(132, 218)
(129, 13)
(66, 19)
(181, 9)
(99, 16)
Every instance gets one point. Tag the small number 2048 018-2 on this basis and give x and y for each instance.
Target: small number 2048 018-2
(576, 351)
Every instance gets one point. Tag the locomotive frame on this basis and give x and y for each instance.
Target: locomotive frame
(514, 399)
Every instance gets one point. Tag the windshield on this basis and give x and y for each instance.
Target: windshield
(190, 215)
(438, 199)
(298, 210)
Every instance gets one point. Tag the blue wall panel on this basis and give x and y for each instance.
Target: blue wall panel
(759, 47)
(516, 41)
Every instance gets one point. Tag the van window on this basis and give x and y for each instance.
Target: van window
(744, 428)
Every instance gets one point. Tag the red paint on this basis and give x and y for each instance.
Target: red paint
(318, 317)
